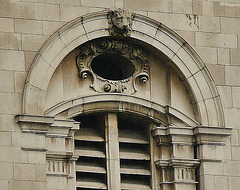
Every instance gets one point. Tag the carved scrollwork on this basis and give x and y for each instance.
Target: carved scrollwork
(136, 56)
(120, 22)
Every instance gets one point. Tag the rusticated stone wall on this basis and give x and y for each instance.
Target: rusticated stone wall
(211, 27)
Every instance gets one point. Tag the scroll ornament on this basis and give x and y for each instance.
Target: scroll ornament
(136, 55)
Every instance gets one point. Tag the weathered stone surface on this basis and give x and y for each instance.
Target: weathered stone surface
(69, 13)
(46, 12)
(235, 57)
(216, 40)
(6, 81)
(32, 42)
(218, 73)
(223, 56)
(163, 6)
(235, 96)
(10, 41)
(28, 26)
(232, 73)
(209, 24)
(6, 25)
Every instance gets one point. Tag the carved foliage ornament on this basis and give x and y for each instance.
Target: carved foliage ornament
(136, 56)
(120, 22)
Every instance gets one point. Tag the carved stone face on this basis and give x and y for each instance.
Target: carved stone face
(120, 22)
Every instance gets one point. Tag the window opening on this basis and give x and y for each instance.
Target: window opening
(133, 144)
(112, 66)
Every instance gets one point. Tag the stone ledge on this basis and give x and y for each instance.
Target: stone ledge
(34, 124)
(34, 119)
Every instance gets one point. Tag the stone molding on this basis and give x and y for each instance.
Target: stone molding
(95, 25)
(136, 55)
(34, 124)
(119, 102)
(177, 168)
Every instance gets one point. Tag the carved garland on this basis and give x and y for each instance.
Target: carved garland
(136, 55)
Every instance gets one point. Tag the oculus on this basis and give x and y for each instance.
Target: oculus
(115, 65)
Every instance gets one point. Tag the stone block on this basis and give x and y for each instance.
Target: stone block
(207, 8)
(235, 96)
(207, 54)
(10, 41)
(218, 9)
(223, 56)
(188, 36)
(46, 12)
(197, 7)
(24, 172)
(28, 26)
(28, 140)
(6, 122)
(232, 117)
(16, 9)
(216, 40)
(225, 95)
(118, 4)
(235, 137)
(65, 2)
(35, 1)
(230, 25)
(6, 171)
(5, 139)
(28, 185)
(32, 42)
(232, 73)
(29, 56)
(235, 57)
(69, 13)
(10, 103)
(41, 172)
(97, 3)
(4, 184)
(237, 11)
(207, 182)
(218, 73)
(235, 153)
(223, 152)
(230, 10)
(6, 81)
(221, 182)
(232, 168)
(155, 5)
(182, 6)
(19, 82)
(12, 154)
(234, 183)
(35, 157)
(211, 168)
(12, 60)
(6, 25)
(50, 27)
(209, 24)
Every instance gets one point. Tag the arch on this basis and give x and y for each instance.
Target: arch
(152, 32)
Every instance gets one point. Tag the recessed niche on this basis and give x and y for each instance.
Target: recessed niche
(112, 66)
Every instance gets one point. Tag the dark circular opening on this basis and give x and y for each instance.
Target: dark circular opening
(112, 66)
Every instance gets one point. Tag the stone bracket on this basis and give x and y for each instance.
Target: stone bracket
(34, 124)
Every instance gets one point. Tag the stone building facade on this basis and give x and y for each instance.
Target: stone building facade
(120, 94)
